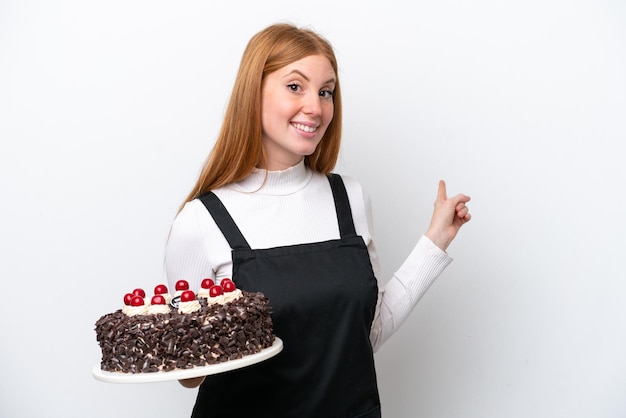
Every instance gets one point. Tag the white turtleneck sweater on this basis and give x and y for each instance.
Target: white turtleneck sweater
(302, 202)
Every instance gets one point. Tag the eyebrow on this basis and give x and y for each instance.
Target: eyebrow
(301, 74)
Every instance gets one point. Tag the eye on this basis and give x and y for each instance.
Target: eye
(327, 94)
(293, 87)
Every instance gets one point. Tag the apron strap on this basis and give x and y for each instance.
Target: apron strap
(236, 239)
(342, 206)
(224, 221)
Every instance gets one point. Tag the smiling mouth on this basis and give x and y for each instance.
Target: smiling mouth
(304, 128)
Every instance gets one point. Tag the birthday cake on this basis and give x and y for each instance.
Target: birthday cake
(187, 329)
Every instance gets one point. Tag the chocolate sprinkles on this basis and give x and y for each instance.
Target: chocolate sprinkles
(166, 342)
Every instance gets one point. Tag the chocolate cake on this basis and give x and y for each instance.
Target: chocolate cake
(190, 332)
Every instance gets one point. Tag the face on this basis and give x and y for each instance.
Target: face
(296, 108)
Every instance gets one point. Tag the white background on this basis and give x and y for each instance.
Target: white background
(108, 109)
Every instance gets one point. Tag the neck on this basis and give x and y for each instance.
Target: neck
(279, 164)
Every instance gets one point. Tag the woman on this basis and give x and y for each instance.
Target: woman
(267, 212)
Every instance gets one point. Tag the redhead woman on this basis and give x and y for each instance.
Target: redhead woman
(268, 212)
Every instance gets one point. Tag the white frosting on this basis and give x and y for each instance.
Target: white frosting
(155, 309)
(230, 296)
(224, 298)
(167, 297)
(189, 307)
(135, 310)
(203, 293)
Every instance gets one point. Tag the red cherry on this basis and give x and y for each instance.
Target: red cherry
(187, 296)
(228, 285)
(158, 300)
(139, 292)
(207, 283)
(215, 290)
(160, 289)
(137, 301)
(128, 297)
(182, 285)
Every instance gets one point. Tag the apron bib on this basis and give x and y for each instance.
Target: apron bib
(323, 297)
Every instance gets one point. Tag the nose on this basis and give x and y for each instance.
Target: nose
(312, 104)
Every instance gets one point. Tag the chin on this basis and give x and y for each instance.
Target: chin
(308, 149)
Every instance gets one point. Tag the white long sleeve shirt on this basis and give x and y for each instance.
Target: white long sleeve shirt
(289, 207)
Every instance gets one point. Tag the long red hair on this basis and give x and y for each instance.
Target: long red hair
(238, 148)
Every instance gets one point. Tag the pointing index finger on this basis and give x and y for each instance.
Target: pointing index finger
(441, 192)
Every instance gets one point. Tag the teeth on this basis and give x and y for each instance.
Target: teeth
(304, 127)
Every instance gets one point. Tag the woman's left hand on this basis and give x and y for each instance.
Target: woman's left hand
(449, 215)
